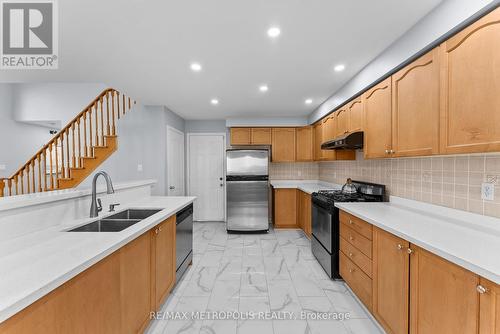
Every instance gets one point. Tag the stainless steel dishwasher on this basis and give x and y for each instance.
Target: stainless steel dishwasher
(184, 240)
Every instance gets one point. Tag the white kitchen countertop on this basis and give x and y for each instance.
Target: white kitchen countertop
(469, 240)
(35, 264)
(308, 186)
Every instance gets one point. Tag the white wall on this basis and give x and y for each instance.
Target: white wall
(141, 141)
(208, 126)
(53, 101)
(18, 141)
(437, 23)
(267, 121)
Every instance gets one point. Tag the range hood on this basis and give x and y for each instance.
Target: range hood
(350, 141)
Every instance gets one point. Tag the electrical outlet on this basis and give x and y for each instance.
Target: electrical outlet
(139, 167)
(488, 191)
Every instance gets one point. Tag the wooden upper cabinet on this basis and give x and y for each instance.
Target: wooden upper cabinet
(283, 144)
(443, 296)
(260, 136)
(342, 122)
(489, 317)
(328, 134)
(165, 265)
(391, 270)
(470, 86)
(377, 124)
(305, 144)
(329, 127)
(240, 136)
(318, 138)
(355, 111)
(415, 107)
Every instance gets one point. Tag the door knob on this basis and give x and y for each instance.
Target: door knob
(171, 187)
(220, 178)
(481, 289)
(222, 184)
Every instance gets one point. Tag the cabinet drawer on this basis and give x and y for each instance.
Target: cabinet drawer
(356, 239)
(355, 255)
(356, 224)
(357, 280)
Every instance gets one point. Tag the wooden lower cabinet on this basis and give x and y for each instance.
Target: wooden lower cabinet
(285, 208)
(136, 285)
(304, 215)
(114, 295)
(164, 259)
(391, 274)
(443, 296)
(489, 308)
(415, 291)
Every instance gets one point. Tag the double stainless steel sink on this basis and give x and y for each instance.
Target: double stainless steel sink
(117, 222)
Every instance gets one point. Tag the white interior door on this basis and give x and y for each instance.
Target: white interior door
(206, 175)
(175, 162)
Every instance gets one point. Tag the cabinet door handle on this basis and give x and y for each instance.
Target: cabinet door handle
(350, 254)
(351, 238)
(409, 250)
(399, 246)
(159, 229)
(352, 270)
(481, 289)
(386, 151)
(156, 231)
(350, 221)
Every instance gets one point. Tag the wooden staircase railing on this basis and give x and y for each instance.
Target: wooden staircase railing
(91, 134)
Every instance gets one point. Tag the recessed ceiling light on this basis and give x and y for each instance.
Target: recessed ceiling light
(273, 32)
(339, 68)
(263, 88)
(308, 101)
(214, 101)
(196, 67)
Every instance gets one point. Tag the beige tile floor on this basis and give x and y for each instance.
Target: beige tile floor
(274, 272)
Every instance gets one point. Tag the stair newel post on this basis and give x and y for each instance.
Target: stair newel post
(56, 158)
(113, 132)
(39, 173)
(73, 159)
(2, 187)
(85, 146)
(102, 121)
(129, 104)
(108, 128)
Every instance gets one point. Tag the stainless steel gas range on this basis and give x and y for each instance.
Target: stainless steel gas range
(325, 241)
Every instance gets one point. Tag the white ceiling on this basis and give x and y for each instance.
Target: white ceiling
(145, 49)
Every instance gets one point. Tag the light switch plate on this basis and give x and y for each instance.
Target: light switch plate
(488, 191)
(139, 167)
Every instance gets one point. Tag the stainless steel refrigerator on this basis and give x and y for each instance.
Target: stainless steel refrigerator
(247, 181)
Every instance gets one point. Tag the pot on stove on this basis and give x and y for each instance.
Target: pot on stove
(349, 187)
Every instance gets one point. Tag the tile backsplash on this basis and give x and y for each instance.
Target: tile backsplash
(451, 181)
(294, 171)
